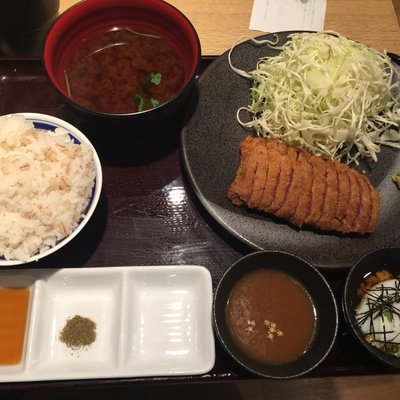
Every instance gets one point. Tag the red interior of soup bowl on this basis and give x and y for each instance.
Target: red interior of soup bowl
(89, 17)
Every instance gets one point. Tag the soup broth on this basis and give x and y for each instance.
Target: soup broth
(271, 317)
(123, 71)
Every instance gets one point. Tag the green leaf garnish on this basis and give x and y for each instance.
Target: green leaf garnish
(155, 79)
(145, 101)
(388, 314)
(154, 102)
(141, 105)
(392, 348)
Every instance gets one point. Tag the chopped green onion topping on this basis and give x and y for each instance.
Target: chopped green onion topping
(155, 79)
(154, 102)
(145, 101)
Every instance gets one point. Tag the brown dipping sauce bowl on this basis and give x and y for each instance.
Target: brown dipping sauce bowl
(321, 295)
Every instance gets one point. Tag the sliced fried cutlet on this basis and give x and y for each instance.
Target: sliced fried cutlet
(285, 178)
(354, 204)
(330, 204)
(275, 152)
(281, 147)
(242, 187)
(294, 190)
(364, 215)
(304, 201)
(343, 198)
(304, 189)
(318, 190)
(260, 174)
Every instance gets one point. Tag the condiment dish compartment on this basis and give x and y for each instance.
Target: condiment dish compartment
(169, 320)
(150, 321)
(63, 295)
(19, 280)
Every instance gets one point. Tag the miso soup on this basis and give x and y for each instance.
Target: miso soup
(123, 71)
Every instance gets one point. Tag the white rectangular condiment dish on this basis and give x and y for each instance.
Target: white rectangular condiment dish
(150, 321)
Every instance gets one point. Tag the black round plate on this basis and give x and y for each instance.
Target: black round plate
(210, 151)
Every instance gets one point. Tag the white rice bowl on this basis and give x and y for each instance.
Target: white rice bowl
(50, 184)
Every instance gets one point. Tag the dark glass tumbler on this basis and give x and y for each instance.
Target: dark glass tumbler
(23, 25)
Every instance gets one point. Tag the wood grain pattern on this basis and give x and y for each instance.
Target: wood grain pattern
(346, 388)
(370, 387)
(220, 22)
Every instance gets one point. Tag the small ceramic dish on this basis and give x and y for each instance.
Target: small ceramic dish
(148, 321)
(319, 292)
(371, 270)
(50, 123)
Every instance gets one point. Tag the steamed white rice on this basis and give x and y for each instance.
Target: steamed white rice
(45, 184)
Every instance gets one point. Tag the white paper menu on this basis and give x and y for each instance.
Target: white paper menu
(286, 15)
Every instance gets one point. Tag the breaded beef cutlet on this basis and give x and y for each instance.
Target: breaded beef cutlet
(303, 189)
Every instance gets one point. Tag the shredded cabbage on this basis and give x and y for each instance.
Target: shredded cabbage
(334, 96)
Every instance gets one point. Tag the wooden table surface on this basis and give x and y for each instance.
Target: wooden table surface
(220, 22)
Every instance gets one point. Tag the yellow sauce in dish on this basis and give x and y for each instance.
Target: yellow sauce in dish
(14, 303)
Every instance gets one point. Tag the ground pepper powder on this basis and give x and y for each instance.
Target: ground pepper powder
(78, 332)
